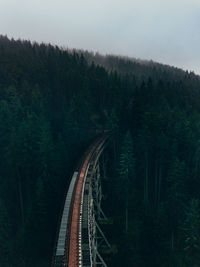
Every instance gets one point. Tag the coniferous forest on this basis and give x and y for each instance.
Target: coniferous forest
(52, 102)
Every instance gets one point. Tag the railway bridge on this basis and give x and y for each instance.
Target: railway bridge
(79, 236)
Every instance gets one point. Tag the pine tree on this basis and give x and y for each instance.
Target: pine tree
(113, 121)
(191, 231)
(126, 172)
(5, 236)
(144, 143)
(176, 196)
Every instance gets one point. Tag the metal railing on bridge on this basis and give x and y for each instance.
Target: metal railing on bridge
(77, 239)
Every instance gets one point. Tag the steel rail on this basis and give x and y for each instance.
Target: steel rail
(75, 221)
(68, 241)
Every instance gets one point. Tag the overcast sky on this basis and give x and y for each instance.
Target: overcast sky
(167, 31)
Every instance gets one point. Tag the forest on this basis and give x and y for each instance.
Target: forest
(52, 102)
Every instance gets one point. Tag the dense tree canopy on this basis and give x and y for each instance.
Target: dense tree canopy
(52, 101)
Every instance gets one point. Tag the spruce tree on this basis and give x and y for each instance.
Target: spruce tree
(5, 236)
(191, 231)
(126, 172)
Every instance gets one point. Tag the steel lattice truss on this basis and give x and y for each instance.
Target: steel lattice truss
(79, 236)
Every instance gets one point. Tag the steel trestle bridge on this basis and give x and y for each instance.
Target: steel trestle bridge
(80, 237)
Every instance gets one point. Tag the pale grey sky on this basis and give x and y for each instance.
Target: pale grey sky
(167, 31)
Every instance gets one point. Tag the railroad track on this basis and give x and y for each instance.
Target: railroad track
(76, 242)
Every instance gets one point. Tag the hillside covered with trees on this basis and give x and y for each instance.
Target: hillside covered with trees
(52, 101)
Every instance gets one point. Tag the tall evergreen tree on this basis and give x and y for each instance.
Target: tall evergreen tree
(191, 232)
(126, 172)
(5, 237)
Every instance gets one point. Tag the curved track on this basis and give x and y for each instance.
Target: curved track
(75, 245)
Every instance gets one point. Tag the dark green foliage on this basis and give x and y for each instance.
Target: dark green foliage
(126, 174)
(5, 236)
(191, 233)
(52, 101)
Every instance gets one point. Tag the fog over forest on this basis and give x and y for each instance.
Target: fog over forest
(164, 31)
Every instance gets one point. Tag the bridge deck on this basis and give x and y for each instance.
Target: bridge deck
(70, 243)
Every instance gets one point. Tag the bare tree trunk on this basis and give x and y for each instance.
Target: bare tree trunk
(172, 240)
(159, 183)
(20, 196)
(196, 167)
(126, 222)
(156, 184)
(146, 180)
(114, 149)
